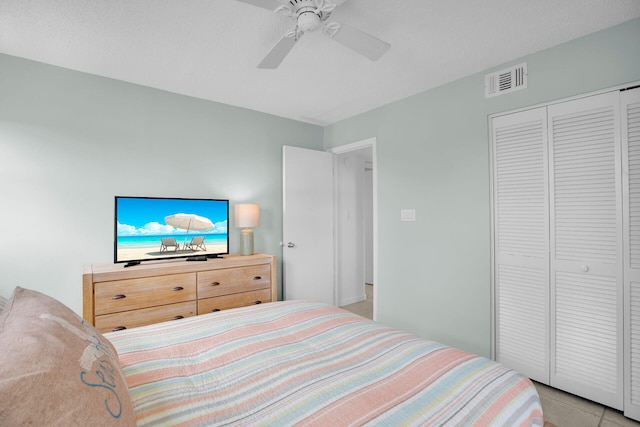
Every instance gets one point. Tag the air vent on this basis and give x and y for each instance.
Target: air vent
(505, 81)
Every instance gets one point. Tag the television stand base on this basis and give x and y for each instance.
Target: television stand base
(131, 264)
(197, 258)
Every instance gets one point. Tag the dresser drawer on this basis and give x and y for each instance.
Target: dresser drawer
(233, 280)
(224, 302)
(133, 294)
(145, 316)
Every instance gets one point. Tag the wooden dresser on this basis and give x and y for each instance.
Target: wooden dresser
(115, 297)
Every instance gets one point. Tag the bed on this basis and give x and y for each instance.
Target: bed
(283, 363)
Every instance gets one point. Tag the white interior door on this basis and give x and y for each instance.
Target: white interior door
(521, 245)
(631, 183)
(308, 225)
(586, 248)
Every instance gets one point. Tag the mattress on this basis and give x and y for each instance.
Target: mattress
(303, 363)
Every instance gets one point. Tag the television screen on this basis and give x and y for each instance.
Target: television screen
(149, 228)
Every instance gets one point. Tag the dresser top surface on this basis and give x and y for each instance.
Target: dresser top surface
(102, 272)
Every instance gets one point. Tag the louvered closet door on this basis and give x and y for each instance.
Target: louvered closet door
(631, 160)
(521, 261)
(586, 248)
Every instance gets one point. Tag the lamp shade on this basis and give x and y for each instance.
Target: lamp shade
(247, 215)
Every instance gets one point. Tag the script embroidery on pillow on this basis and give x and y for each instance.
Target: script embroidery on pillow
(104, 375)
(56, 368)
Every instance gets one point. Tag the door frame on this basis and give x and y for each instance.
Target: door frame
(342, 149)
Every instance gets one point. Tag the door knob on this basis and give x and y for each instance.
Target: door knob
(291, 245)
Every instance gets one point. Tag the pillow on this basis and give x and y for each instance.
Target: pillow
(56, 369)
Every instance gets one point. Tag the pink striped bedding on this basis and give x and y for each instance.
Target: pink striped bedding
(299, 363)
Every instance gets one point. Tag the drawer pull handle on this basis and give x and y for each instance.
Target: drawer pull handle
(215, 310)
(257, 278)
(178, 288)
(178, 318)
(119, 296)
(119, 328)
(215, 283)
(258, 302)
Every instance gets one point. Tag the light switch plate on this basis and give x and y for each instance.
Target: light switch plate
(407, 215)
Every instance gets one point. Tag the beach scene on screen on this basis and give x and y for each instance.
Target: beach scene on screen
(148, 228)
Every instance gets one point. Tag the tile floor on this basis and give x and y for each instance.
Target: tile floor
(560, 409)
(566, 410)
(363, 308)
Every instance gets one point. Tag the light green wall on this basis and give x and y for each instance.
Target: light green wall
(433, 155)
(70, 142)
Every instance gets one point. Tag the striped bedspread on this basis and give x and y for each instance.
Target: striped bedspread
(299, 363)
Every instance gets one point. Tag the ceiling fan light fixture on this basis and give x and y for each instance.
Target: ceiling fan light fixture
(308, 21)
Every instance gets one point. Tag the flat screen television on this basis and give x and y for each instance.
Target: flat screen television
(152, 228)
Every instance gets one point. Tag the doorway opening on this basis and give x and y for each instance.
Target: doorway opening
(355, 173)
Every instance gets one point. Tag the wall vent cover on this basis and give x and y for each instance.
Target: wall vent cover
(505, 81)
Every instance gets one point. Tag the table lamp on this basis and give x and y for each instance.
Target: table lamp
(247, 215)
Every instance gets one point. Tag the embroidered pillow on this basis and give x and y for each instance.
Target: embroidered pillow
(57, 369)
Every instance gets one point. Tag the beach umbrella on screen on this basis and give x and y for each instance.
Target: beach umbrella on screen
(188, 222)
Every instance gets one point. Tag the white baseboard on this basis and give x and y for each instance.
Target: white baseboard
(353, 300)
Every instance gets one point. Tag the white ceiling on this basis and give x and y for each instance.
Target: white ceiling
(209, 49)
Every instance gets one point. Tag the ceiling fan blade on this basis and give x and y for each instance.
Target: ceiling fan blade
(279, 51)
(271, 5)
(363, 43)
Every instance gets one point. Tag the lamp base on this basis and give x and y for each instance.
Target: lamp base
(246, 241)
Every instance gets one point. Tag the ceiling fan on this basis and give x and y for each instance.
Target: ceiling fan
(310, 15)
